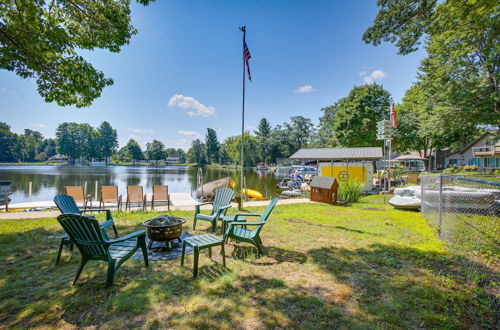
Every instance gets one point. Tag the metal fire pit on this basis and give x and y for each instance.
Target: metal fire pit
(158, 232)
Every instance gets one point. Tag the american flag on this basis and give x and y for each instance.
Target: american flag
(394, 120)
(246, 58)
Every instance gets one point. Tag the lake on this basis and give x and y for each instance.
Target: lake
(47, 181)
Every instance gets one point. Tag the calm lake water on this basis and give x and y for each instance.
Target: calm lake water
(47, 181)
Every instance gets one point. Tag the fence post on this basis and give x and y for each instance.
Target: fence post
(440, 202)
(30, 189)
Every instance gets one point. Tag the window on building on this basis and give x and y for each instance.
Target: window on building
(474, 161)
(492, 162)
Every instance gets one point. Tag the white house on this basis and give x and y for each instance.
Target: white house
(484, 152)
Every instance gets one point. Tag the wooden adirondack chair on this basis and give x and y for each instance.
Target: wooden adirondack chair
(93, 244)
(160, 194)
(238, 229)
(67, 204)
(135, 195)
(109, 194)
(78, 193)
(221, 203)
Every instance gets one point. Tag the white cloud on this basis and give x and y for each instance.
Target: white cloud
(140, 130)
(305, 89)
(251, 128)
(38, 125)
(190, 103)
(180, 143)
(362, 73)
(192, 134)
(374, 75)
(6, 90)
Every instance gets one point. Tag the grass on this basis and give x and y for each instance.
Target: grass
(360, 266)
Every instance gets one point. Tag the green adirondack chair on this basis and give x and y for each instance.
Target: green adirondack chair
(238, 229)
(67, 204)
(93, 244)
(221, 203)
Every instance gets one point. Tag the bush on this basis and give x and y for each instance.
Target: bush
(350, 191)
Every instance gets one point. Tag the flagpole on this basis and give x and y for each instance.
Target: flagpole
(242, 160)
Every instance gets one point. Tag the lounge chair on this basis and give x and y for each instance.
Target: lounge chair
(67, 205)
(94, 244)
(109, 194)
(160, 194)
(220, 205)
(238, 229)
(78, 193)
(135, 195)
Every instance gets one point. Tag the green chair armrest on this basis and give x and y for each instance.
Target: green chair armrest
(235, 223)
(238, 215)
(225, 207)
(127, 237)
(106, 224)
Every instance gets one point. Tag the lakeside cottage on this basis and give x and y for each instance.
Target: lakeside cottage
(484, 152)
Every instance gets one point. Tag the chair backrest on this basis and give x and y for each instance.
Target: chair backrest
(77, 192)
(223, 197)
(160, 193)
(270, 207)
(134, 193)
(109, 194)
(66, 204)
(85, 233)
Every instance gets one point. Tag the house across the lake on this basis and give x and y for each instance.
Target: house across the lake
(484, 152)
(174, 159)
(58, 158)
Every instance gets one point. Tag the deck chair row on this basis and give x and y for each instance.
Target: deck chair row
(109, 194)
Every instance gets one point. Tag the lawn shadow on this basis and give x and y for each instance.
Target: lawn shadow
(390, 281)
(274, 255)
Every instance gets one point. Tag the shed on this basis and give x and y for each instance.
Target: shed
(324, 189)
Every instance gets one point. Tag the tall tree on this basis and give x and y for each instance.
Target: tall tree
(108, 138)
(155, 150)
(134, 149)
(41, 40)
(67, 137)
(302, 131)
(10, 146)
(424, 125)
(213, 146)
(353, 119)
(197, 153)
(250, 149)
(263, 134)
(461, 38)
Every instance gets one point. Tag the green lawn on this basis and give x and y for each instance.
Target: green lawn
(360, 266)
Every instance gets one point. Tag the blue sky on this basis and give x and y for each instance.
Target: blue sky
(305, 55)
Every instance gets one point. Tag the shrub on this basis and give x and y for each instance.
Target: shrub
(350, 191)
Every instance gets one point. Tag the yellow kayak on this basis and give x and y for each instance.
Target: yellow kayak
(253, 194)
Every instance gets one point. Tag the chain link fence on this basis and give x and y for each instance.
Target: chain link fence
(465, 210)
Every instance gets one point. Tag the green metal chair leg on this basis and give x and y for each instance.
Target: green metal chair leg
(183, 252)
(194, 223)
(195, 266)
(79, 271)
(223, 255)
(59, 252)
(214, 225)
(142, 244)
(111, 274)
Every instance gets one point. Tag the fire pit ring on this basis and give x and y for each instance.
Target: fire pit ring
(164, 229)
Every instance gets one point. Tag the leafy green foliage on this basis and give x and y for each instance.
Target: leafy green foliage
(263, 133)
(40, 40)
(212, 145)
(461, 72)
(197, 153)
(155, 150)
(350, 191)
(352, 120)
(108, 140)
(134, 150)
(424, 125)
(10, 147)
